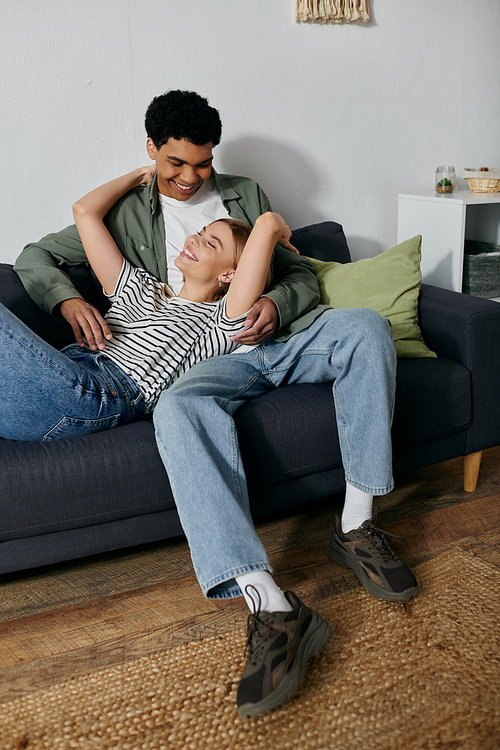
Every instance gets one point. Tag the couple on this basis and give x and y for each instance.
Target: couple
(156, 350)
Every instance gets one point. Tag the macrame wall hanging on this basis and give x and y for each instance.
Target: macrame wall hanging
(332, 11)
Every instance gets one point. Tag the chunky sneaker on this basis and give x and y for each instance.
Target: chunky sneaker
(279, 645)
(365, 550)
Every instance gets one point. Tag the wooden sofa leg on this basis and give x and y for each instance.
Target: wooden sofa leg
(472, 462)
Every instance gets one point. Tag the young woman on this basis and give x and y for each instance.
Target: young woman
(154, 336)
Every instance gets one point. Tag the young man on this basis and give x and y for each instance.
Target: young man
(193, 419)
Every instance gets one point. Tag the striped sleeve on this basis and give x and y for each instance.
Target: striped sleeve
(231, 326)
(137, 286)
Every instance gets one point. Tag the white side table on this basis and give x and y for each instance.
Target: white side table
(445, 222)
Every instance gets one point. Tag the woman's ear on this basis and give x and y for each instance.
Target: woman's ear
(227, 276)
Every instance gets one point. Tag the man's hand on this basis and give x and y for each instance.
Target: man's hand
(262, 321)
(86, 322)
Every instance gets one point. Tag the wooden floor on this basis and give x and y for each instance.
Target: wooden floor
(70, 619)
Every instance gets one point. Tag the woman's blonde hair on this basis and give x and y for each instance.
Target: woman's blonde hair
(241, 232)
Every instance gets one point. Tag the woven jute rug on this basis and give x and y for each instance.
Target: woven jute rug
(424, 676)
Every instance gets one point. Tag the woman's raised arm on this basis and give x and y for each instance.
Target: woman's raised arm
(89, 212)
(250, 276)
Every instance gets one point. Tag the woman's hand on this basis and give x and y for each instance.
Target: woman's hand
(279, 225)
(148, 174)
(285, 242)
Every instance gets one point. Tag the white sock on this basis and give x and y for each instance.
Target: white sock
(261, 583)
(358, 508)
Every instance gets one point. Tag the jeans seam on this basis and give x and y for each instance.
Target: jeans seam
(112, 419)
(286, 367)
(235, 462)
(33, 350)
(131, 402)
(267, 372)
(346, 460)
(241, 390)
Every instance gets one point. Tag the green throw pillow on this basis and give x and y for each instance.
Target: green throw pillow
(388, 283)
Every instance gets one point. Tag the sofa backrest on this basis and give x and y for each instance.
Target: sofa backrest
(324, 241)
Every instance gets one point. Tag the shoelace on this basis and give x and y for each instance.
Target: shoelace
(378, 536)
(257, 630)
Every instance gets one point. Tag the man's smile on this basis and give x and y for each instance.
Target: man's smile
(184, 188)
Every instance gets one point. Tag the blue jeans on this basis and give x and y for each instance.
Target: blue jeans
(46, 394)
(197, 440)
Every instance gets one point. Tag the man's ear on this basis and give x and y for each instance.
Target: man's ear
(151, 149)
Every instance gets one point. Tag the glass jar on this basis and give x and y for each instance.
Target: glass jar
(445, 179)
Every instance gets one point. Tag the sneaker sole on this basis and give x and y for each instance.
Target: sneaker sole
(341, 558)
(313, 642)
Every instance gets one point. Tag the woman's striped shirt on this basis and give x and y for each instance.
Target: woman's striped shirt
(156, 338)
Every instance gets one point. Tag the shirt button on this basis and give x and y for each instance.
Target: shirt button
(142, 247)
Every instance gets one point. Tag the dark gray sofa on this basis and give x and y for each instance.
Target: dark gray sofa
(68, 499)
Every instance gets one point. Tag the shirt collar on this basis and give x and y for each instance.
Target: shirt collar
(225, 190)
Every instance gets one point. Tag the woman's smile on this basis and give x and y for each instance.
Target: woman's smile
(187, 253)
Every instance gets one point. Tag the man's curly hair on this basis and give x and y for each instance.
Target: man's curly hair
(182, 114)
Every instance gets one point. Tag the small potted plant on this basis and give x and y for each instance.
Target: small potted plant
(445, 179)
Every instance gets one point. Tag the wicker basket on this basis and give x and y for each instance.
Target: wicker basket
(481, 271)
(480, 181)
(483, 186)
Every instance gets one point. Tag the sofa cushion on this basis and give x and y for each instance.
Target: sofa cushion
(110, 475)
(388, 283)
(291, 432)
(287, 433)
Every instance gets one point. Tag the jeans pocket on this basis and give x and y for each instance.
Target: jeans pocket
(68, 427)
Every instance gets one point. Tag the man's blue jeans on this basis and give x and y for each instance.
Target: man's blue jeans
(46, 394)
(197, 439)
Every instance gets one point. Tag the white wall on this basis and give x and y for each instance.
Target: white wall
(332, 120)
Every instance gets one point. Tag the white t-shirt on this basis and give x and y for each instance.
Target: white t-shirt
(156, 338)
(183, 218)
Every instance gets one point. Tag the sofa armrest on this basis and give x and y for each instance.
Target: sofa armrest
(467, 329)
(14, 296)
(57, 332)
